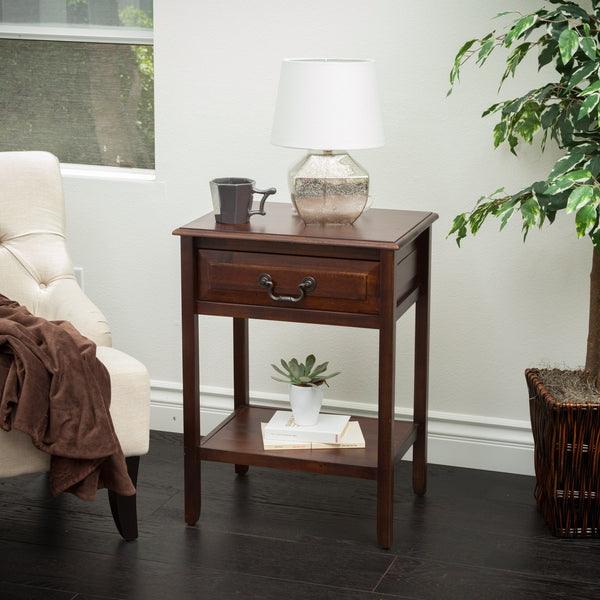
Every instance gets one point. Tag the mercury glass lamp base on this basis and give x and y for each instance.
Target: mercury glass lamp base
(329, 188)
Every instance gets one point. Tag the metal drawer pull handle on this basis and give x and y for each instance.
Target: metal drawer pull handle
(308, 284)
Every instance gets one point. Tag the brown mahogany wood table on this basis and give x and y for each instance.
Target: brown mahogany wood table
(362, 275)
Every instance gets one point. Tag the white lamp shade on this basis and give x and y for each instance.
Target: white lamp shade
(327, 104)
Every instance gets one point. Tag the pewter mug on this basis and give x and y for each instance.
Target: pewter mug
(232, 199)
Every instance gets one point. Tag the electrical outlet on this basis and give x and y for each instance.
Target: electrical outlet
(79, 276)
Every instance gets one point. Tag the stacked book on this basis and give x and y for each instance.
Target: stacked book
(331, 431)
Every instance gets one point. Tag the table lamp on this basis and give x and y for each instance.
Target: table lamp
(328, 106)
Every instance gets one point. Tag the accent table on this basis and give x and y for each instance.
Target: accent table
(365, 275)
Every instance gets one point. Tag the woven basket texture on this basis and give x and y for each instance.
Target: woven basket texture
(567, 461)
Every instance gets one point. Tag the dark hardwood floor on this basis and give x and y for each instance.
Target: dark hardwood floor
(277, 535)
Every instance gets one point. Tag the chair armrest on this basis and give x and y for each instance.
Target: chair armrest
(65, 300)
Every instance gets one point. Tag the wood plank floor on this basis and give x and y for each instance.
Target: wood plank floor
(284, 535)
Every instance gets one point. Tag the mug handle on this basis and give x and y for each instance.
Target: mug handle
(261, 208)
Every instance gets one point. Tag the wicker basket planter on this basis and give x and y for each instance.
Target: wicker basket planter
(567, 461)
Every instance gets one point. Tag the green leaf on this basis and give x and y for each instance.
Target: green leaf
(518, 29)
(578, 176)
(547, 53)
(582, 73)
(500, 132)
(560, 184)
(279, 370)
(557, 27)
(587, 148)
(459, 227)
(592, 88)
(492, 109)
(568, 43)
(584, 219)
(458, 223)
(528, 126)
(286, 366)
(330, 376)
(549, 203)
(505, 217)
(320, 368)
(513, 61)
(465, 47)
(506, 209)
(588, 45)
(510, 203)
(295, 368)
(485, 51)
(529, 211)
(588, 105)
(455, 72)
(544, 92)
(578, 197)
(563, 129)
(573, 10)
(552, 203)
(593, 166)
(549, 115)
(566, 163)
(513, 106)
(458, 59)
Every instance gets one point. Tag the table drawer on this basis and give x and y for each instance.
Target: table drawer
(340, 284)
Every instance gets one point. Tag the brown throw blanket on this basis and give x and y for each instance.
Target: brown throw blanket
(53, 388)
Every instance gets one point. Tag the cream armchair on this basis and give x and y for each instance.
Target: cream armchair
(36, 271)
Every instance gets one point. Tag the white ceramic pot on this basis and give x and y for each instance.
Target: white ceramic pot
(306, 404)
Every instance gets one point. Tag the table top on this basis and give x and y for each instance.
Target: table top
(379, 228)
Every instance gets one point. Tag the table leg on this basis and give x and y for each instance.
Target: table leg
(421, 365)
(241, 371)
(191, 383)
(387, 365)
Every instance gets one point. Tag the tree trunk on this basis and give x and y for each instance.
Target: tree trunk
(592, 360)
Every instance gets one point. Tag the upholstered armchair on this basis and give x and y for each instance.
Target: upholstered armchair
(36, 272)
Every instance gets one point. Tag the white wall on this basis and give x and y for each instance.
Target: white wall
(498, 306)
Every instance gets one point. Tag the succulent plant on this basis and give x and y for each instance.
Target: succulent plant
(303, 374)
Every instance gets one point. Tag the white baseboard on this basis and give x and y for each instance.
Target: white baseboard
(504, 445)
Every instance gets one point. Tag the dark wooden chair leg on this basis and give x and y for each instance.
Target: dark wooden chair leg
(124, 508)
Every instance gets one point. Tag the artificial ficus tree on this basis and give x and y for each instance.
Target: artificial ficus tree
(565, 38)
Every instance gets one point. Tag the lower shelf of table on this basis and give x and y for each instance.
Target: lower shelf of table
(238, 440)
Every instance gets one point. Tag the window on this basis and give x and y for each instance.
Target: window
(77, 79)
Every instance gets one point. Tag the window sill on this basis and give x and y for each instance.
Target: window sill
(73, 171)
(71, 33)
